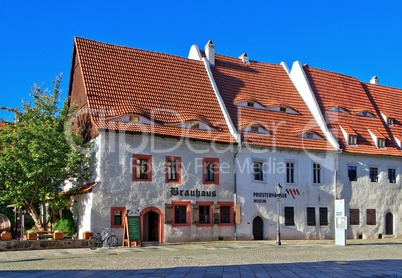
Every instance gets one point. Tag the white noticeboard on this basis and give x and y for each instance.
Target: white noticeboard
(341, 223)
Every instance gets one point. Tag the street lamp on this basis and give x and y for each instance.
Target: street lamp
(278, 190)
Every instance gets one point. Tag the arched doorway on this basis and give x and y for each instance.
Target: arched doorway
(389, 224)
(258, 228)
(152, 225)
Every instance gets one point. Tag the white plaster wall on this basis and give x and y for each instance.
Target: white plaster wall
(363, 194)
(310, 195)
(116, 188)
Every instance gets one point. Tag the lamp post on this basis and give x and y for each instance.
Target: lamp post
(278, 190)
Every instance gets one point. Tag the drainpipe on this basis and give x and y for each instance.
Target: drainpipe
(235, 186)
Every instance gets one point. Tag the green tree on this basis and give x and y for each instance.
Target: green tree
(39, 152)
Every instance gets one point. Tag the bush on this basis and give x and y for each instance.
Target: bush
(65, 223)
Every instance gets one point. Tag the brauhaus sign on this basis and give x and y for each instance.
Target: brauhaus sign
(174, 191)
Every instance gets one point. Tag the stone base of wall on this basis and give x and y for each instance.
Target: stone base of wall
(15, 245)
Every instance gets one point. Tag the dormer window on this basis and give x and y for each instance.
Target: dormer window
(390, 121)
(309, 135)
(365, 114)
(134, 119)
(352, 140)
(195, 125)
(338, 109)
(282, 109)
(381, 143)
(250, 104)
(254, 128)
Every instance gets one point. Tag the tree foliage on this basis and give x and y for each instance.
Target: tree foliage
(39, 152)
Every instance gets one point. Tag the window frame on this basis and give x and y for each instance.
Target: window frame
(381, 143)
(260, 173)
(187, 204)
(349, 172)
(289, 215)
(231, 213)
(311, 216)
(290, 172)
(371, 217)
(316, 173)
(352, 140)
(148, 159)
(323, 216)
(169, 159)
(372, 173)
(354, 216)
(216, 170)
(393, 175)
(210, 210)
(112, 218)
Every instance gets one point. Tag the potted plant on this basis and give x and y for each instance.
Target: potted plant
(31, 234)
(5, 235)
(58, 234)
(87, 234)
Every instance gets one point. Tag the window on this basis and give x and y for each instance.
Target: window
(381, 143)
(309, 135)
(373, 174)
(204, 214)
(354, 217)
(352, 173)
(391, 176)
(282, 109)
(250, 104)
(323, 216)
(181, 213)
(258, 171)
(290, 172)
(310, 216)
(134, 118)
(370, 217)
(210, 170)
(224, 213)
(116, 216)
(390, 121)
(352, 140)
(173, 169)
(254, 128)
(142, 167)
(316, 173)
(195, 125)
(366, 114)
(289, 216)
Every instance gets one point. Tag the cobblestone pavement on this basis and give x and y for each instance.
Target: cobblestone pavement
(360, 258)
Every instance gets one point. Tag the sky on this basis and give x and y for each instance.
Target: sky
(360, 38)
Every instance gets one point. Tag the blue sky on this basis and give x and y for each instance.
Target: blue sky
(360, 38)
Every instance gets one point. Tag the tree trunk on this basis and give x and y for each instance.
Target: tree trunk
(35, 216)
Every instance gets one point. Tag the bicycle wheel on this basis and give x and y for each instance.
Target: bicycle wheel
(92, 243)
(112, 241)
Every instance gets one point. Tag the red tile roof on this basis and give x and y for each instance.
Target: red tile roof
(270, 86)
(333, 89)
(169, 89)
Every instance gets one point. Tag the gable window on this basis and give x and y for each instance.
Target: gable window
(258, 171)
(323, 216)
(316, 173)
(310, 216)
(289, 216)
(290, 172)
(354, 217)
(352, 173)
(195, 125)
(142, 167)
(173, 169)
(390, 121)
(352, 140)
(210, 170)
(134, 118)
(381, 143)
(250, 104)
(373, 174)
(391, 176)
(371, 217)
(116, 216)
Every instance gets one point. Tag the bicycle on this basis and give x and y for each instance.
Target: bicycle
(105, 239)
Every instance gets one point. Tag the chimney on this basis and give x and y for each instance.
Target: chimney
(244, 58)
(374, 80)
(210, 52)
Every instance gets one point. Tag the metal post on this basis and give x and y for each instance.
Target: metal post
(278, 229)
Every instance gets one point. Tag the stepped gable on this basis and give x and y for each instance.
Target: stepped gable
(167, 90)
